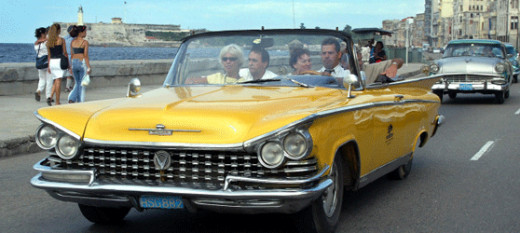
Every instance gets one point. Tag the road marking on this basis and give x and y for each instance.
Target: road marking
(482, 150)
(517, 112)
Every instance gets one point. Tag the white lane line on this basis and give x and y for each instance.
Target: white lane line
(517, 112)
(482, 150)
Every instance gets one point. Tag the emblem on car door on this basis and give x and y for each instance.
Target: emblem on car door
(162, 160)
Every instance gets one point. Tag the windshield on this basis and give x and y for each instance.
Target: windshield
(250, 58)
(474, 49)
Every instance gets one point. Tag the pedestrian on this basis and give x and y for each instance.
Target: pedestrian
(68, 39)
(80, 62)
(44, 79)
(379, 53)
(58, 60)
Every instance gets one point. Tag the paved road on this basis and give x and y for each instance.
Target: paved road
(447, 191)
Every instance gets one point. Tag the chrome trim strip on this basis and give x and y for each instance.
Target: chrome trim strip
(46, 169)
(383, 170)
(402, 82)
(96, 187)
(312, 117)
(168, 145)
(230, 178)
(57, 126)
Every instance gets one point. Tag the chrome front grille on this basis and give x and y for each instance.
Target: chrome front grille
(466, 78)
(202, 169)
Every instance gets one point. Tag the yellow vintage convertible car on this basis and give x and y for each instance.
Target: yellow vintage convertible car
(240, 125)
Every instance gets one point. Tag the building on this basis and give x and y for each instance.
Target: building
(118, 33)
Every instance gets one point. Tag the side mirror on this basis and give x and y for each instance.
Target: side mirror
(509, 55)
(349, 80)
(134, 86)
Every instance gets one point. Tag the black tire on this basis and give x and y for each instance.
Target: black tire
(452, 95)
(403, 171)
(103, 215)
(515, 78)
(500, 96)
(506, 94)
(439, 94)
(323, 214)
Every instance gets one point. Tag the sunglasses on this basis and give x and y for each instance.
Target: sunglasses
(229, 58)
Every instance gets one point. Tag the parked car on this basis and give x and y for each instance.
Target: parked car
(473, 66)
(286, 144)
(512, 54)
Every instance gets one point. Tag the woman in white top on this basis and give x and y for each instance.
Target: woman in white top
(45, 80)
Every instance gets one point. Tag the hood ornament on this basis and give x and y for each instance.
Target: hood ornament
(161, 130)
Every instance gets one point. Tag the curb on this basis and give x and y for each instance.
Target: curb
(17, 146)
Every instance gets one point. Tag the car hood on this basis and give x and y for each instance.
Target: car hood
(473, 65)
(208, 115)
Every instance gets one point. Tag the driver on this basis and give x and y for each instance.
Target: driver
(330, 57)
(258, 62)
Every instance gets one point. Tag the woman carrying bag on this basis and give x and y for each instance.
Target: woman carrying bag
(42, 63)
(80, 63)
(58, 60)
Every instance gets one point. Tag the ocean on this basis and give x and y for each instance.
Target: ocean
(10, 53)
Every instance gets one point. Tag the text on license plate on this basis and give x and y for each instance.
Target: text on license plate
(161, 202)
(465, 87)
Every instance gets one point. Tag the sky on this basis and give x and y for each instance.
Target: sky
(19, 18)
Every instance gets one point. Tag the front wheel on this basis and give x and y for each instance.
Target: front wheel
(515, 78)
(323, 214)
(452, 94)
(103, 215)
(500, 96)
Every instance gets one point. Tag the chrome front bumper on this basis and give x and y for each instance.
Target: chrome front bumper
(476, 87)
(87, 190)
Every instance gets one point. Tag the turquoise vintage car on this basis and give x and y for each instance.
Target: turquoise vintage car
(213, 139)
(473, 66)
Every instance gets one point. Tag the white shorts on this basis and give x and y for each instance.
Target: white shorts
(56, 71)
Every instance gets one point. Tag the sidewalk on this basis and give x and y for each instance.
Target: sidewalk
(18, 123)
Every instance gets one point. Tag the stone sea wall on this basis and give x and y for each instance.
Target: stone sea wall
(22, 78)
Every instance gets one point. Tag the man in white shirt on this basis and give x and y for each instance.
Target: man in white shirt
(258, 62)
(330, 57)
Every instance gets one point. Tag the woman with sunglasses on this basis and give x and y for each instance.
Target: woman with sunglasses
(80, 62)
(231, 58)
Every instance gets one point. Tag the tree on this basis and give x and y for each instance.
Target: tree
(347, 29)
(302, 26)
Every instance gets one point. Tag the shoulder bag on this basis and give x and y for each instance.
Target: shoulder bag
(43, 61)
(64, 62)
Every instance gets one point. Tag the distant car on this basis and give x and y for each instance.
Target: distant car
(473, 66)
(512, 55)
(209, 140)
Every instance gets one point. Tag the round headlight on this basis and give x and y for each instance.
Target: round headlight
(500, 68)
(67, 147)
(295, 145)
(434, 68)
(46, 137)
(271, 155)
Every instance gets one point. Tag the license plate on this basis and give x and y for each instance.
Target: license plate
(465, 87)
(161, 202)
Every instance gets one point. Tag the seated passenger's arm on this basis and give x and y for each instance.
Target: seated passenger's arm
(196, 80)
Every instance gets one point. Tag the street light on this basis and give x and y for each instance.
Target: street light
(407, 41)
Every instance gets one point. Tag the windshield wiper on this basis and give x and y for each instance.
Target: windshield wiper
(299, 83)
(261, 80)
